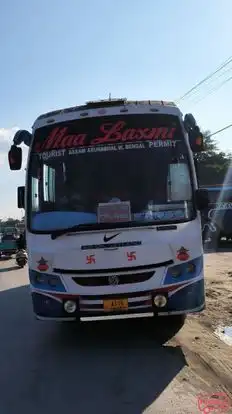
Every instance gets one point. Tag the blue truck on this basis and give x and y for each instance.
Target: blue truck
(217, 220)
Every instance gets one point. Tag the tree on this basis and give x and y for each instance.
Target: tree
(10, 220)
(213, 164)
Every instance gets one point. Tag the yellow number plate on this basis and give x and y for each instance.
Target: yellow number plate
(115, 304)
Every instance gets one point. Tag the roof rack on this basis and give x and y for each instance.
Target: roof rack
(105, 103)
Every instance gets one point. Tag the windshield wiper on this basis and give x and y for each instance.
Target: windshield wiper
(99, 226)
(78, 227)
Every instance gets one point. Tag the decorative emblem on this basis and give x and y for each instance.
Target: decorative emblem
(182, 254)
(131, 256)
(42, 265)
(113, 280)
(90, 259)
(106, 239)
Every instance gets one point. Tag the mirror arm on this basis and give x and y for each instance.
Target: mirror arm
(22, 136)
(17, 141)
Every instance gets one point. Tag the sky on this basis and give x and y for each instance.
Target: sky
(55, 54)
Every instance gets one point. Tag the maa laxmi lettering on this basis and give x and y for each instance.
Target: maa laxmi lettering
(61, 138)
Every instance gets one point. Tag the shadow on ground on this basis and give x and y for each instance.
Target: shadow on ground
(106, 367)
(9, 269)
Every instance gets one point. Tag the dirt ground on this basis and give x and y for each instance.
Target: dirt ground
(218, 272)
(208, 355)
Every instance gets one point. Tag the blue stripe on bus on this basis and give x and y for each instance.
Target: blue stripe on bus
(225, 188)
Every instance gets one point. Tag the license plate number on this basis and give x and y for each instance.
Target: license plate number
(115, 304)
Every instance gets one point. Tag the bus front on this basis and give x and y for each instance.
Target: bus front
(111, 213)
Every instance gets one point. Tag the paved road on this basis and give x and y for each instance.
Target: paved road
(110, 368)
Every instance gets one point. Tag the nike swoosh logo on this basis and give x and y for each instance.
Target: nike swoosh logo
(106, 239)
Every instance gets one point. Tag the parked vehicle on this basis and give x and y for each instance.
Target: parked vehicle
(219, 212)
(21, 258)
(8, 244)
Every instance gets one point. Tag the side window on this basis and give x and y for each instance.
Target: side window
(35, 194)
(51, 187)
(179, 184)
(48, 184)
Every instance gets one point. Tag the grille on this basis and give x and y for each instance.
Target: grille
(113, 279)
(114, 270)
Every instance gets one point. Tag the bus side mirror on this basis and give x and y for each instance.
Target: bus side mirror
(15, 158)
(21, 197)
(202, 198)
(196, 140)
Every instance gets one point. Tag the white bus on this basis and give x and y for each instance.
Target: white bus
(112, 211)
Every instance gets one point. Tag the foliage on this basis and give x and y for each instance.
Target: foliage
(213, 165)
(11, 223)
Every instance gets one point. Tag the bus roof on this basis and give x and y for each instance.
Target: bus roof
(106, 107)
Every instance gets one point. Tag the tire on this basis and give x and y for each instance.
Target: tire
(21, 263)
(215, 239)
(177, 320)
(166, 327)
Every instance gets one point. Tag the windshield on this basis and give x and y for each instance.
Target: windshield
(131, 168)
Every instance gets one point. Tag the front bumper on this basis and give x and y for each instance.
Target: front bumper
(183, 299)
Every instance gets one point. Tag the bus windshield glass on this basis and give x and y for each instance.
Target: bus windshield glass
(83, 171)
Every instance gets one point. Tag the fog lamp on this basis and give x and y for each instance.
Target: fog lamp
(70, 306)
(160, 301)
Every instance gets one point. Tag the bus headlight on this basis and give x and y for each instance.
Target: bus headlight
(184, 271)
(179, 270)
(54, 281)
(160, 301)
(190, 268)
(44, 281)
(175, 271)
(70, 306)
(40, 278)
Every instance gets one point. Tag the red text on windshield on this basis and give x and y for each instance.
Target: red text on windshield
(60, 138)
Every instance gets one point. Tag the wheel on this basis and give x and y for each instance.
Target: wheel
(215, 239)
(177, 320)
(21, 263)
(166, 327)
